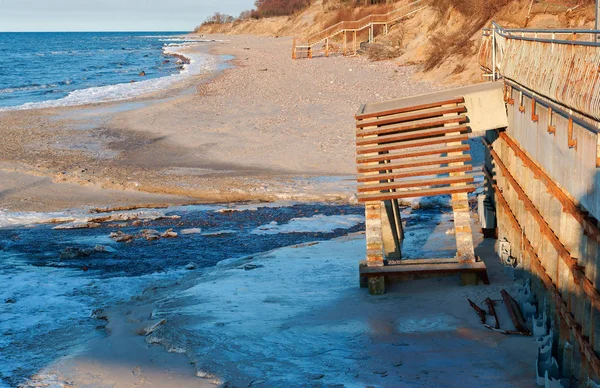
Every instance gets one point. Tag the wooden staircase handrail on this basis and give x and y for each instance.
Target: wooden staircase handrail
(361, 23)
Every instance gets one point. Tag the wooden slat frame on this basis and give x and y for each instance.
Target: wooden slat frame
(418, 162)
(412, 154)
(416, 193)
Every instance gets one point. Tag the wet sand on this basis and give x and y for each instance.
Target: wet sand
(268, 128)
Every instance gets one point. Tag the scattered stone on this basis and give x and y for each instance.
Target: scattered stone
(190, 266)
(142, 74)
(10, 300)
(149, 330)
(166, 61)
(380, 372)
(136, 223)
(121, 237)
(137, 371)
(316, 376)
(262, 69)
(71, 253)
(169, 234)
(191, 231)
(397, 364)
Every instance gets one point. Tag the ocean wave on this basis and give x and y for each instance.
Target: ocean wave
(26, 88)
(199, 63)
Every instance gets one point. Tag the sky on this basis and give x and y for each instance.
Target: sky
(112, 15)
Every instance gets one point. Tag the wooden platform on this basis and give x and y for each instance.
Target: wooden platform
(408, 151)
(421, 268)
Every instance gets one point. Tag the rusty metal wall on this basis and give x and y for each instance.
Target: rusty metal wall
(572, 168)
(559, 64)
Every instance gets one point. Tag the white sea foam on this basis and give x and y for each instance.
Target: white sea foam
(199, 63)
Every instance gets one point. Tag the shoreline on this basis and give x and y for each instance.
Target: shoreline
(226, 136)
(183, 51)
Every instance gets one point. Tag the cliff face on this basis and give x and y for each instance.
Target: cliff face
(442, 39)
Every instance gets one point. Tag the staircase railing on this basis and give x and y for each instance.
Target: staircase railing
(389, 17)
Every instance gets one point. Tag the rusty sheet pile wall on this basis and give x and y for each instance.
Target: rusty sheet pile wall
(543, 176)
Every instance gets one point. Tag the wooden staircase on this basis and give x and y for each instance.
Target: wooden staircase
(320, 42)
(407, 151)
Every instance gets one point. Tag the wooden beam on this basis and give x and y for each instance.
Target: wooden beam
(415, 193)
(415, 183)
(411, 143)
(413, 172)
(456, 100)
(410, 116)
(412, 154)
(412, 135)
(412, 125)
(414, 163)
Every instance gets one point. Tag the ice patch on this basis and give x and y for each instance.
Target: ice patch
(315, 224)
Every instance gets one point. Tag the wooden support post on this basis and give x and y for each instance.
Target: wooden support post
(327, 47)
(371, 34)
(309, 52)
(465, 251)
(385, 29)
(373, 230)
(355, 43)
(345, 43)
(294, 49)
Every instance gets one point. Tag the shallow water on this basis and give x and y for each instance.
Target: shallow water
(46, 300)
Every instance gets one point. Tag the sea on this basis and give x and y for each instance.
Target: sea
(51, 69)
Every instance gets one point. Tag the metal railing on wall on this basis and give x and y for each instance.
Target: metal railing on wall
(560, 64)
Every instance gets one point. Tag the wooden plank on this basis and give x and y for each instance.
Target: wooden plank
(412, 154)
(410, 144)
(422, 134)
(412, 125)
(415, 183)
(456, 100)
(418, 162)
(415, 193)
(413, 172)
(434, 267)
(410, 116)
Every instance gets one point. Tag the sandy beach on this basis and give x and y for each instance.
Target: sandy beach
(262, 128)
(235, 135)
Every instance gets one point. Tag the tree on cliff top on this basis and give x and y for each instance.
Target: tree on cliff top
(267, 8)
